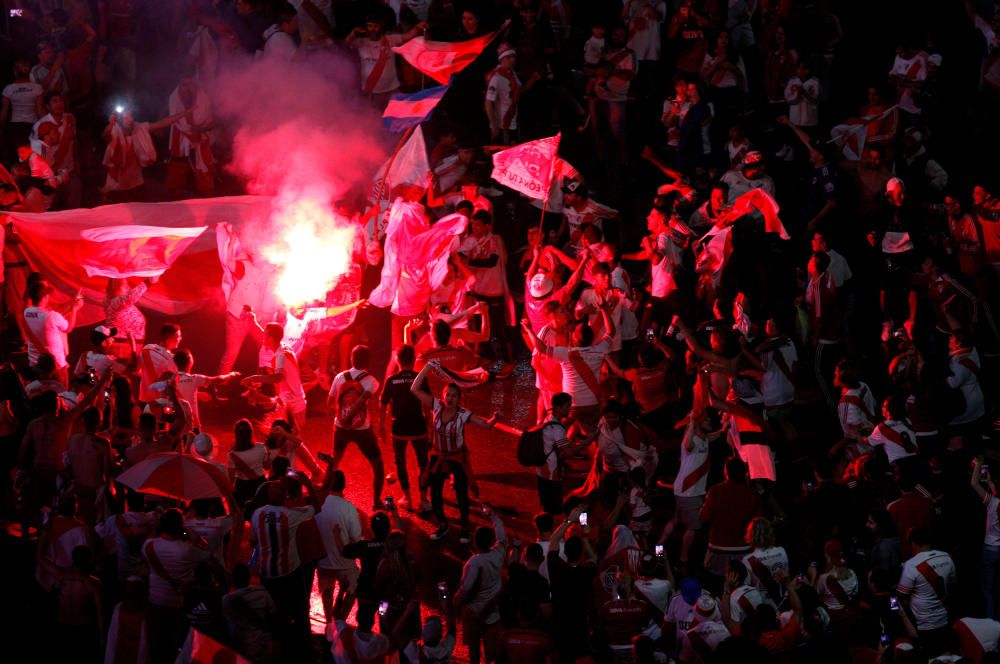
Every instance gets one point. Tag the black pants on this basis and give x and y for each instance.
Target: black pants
(437, 480)
(290, 600)
(499, 343)
(399, 446)
(550, 495)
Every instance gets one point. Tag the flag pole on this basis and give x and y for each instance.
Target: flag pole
(548, 189)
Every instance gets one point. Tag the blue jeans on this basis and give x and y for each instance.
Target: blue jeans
(991, 557)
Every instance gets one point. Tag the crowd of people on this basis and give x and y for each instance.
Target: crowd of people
(757, 307)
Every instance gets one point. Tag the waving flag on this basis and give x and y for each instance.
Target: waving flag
(120, 252)
(441, 60)
(850, 138)
(405, 111)
(407, 168)
(527, 167)
(760, 201)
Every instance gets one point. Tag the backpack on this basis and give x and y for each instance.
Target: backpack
(351, 401)
(531, 446)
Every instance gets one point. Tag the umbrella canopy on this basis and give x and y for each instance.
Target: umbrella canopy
(177, 475)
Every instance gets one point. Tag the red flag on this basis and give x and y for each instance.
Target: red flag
(441, 60)
(761, 201)
(201, 649)
(527, 167)
(120, 252)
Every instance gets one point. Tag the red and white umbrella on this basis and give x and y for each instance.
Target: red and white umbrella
(177, 475)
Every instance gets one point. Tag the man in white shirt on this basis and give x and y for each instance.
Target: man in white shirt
(279, 39)
(378, 62)
(353, 400)
(339, 526)
(484, 255)
(49, 73)
(46, 328)
(503, 89)
(923, 586)
(802, 95)
(838, 268)
(158, 359)
(581, 364)
(284, 375)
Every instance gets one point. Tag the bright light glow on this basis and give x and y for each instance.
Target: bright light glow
(312, 247)
(119, 109)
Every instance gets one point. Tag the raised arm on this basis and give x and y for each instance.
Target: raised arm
(418, 383)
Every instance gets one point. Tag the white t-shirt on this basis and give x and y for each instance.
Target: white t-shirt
(644, 19)
(744, 601)
(885, 435)
(290, 388)
(49, 328)
(368, 382)
(977, 636)
(574, 384)
(826, 583)
(925, 601)
(179, 559)
(589, 300)
(762, 565)
(710, 633)
(610, 443)
(775, 386)
(662, 274)
(692, 478)
(681, 614)
(22, 98)
(740, 184)
(370, 52)
(155, 361)
(214, 531)
(489, 280)
(965, 379)
(279, 45)
(838, 268)
(40, 72)
(593, 48)
(801, 111)
(500, 91)
(553, 439)
(338, 511)
(368, 648)
(188, 386)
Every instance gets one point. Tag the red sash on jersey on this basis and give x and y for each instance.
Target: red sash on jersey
(967, 362)
(763, 574)
(376, 73)
(915, 67)
(859, 402)
(695, 475)
(837, 590)
(585, 372)
(896, 437)
(515, 94)
(969, 644)
(932, 578)
(749, 610)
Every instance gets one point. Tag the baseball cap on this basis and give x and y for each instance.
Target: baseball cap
(540, 286)
(705, 609)
(690, 590)
(204, 444)
(102, 332)
(753, 157)
(574, 187)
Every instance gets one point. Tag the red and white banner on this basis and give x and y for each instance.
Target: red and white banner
(850, 138)
(201, 649)
(404, 171)
(441, 60)
(51, 244)
(761, 201)
(120, 252)
(527, 167)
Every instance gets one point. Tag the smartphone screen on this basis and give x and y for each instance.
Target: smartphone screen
(583, 518)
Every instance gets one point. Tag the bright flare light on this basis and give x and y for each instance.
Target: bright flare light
(314, 247)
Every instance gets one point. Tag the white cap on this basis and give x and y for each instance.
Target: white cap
(540, 286)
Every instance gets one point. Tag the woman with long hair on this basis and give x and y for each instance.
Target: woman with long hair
(247, 461)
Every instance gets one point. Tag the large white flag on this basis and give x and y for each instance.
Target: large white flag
(527, 167)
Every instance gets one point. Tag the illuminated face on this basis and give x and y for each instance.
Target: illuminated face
(681, 88)
(979, 195)
(718, 199)
(24, 152)
(470, 23)
(655, 221)
(771, 328)
(374, 29)
(174, 340)
(818, 243)
(452, 396)
(57, 105)
(601, 280)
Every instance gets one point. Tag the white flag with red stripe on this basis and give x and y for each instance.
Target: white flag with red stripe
(527, 167)
(441, 60)
(850, 138)
(119, 252)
